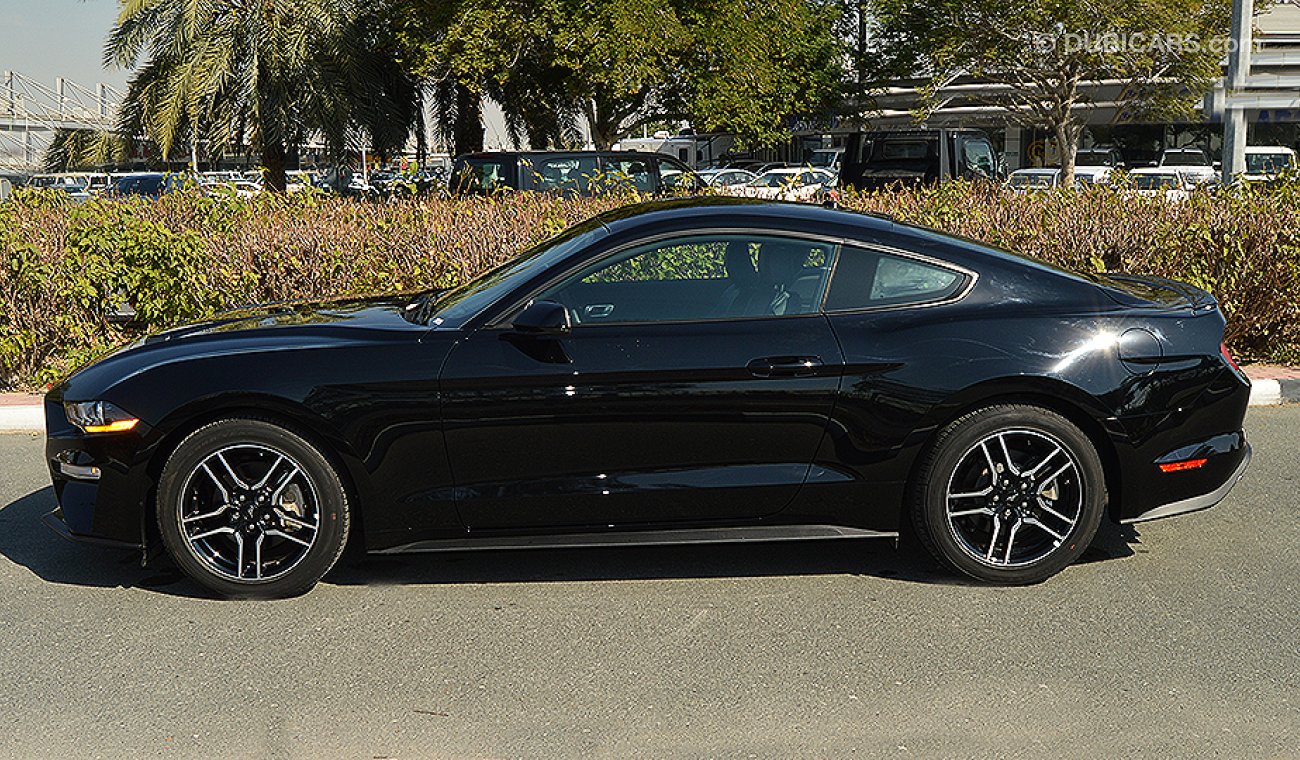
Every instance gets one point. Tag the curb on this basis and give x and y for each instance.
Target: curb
(1270, 392)
(22, 419)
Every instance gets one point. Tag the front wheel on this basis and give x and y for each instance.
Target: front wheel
(251, 509)
(1009, 494)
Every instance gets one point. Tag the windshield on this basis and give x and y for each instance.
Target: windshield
(773, 179)
(1185, 158)
(1155, 181)
(1033, 180)
(455, 307)
(1268, 163)
(824, 158)
(1092, 158)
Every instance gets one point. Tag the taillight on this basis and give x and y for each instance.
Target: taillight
(1223, 349)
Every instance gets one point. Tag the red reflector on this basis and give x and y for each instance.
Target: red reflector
(1187, 464)
(1223, 349)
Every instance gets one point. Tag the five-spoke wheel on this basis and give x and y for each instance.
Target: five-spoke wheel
(249, 508)
(1009, 494)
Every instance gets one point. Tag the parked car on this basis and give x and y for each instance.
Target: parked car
(828, 159)
(570, 172)
(694, 370)
(876, 160)
(144, 184)
(1098, 157)
(725, 178)
(1170, 184)
(1266, 163)
(1193, 164)
(792, 184)
(1093, 175)
(1030, 180)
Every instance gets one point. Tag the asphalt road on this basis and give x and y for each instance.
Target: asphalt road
(1176, 639)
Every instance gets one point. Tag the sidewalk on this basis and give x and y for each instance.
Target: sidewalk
(1270, 385)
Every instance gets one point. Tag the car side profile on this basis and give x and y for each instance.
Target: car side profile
(695, 370)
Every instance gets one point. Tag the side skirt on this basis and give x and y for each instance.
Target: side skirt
(642, 538)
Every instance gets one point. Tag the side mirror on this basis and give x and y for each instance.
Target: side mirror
(543, 318)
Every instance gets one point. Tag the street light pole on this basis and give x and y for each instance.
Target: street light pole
(1234, 116)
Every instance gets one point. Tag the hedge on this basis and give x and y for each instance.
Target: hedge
(186, 256)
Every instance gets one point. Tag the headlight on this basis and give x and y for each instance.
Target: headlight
(98, 417)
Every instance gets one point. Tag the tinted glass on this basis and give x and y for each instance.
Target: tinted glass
(458, 305)
(699, 277)
(630, 171)
(1185, 158)
(569, 175)
(865, 279)
(979, 157)
(479, 176)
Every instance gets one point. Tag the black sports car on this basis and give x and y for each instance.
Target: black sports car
(681, 371)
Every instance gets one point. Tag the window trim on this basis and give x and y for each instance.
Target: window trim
(971, 278)
(503, 318)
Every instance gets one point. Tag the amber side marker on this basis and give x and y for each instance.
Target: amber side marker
(117, 426)
(1187, 464)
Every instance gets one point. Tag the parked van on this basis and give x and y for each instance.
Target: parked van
(875, 160)
(570, 172)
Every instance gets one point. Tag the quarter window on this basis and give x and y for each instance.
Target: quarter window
(865, 279)
(700, 277)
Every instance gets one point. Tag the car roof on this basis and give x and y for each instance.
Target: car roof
(1157, 170)
(1269, 149)
(1037, 170)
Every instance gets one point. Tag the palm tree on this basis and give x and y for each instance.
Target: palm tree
(266, 73)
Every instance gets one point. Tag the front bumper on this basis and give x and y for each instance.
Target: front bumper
(101, 481)
(1197, 503)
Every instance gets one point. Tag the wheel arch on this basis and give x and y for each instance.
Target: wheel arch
(295, 417)
(1069, 401)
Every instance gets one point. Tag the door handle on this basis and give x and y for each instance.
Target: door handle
(598, 310)
(785, 366)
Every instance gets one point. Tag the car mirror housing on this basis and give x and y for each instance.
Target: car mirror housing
(543, 318)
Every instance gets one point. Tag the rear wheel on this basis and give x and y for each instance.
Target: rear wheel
(251, 509)
(1009, 494)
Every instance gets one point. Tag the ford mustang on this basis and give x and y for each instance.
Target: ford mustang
(693, 370)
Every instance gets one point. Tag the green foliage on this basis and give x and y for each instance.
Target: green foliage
(270, 75)
(185, 256)
(1166, 54)
(731, 65)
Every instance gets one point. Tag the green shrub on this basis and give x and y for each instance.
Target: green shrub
(186, 256)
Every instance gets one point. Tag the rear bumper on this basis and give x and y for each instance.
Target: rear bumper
(1197, 503)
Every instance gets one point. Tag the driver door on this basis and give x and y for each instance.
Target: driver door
(694, 386)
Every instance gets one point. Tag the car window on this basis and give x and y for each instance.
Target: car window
(676, 176)
(716, 276)
(629, 172)
(979, 158)
(866, 278)
(479, 176)
(571, 174)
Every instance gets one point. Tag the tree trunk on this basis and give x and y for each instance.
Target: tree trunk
(273, 167)
(604, 127)
(1067, 142)
(467, 130)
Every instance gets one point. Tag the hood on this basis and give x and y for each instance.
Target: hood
(264, 328)
(378, 312)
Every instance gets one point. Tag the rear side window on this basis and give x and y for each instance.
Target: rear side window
(479, 176)
(571, 174)
(866, 279)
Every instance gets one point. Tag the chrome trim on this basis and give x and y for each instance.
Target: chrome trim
(642, 538)
(1195, 503)
(79, 472)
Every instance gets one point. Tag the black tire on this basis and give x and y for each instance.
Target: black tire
(984, 505)
(295, 534)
